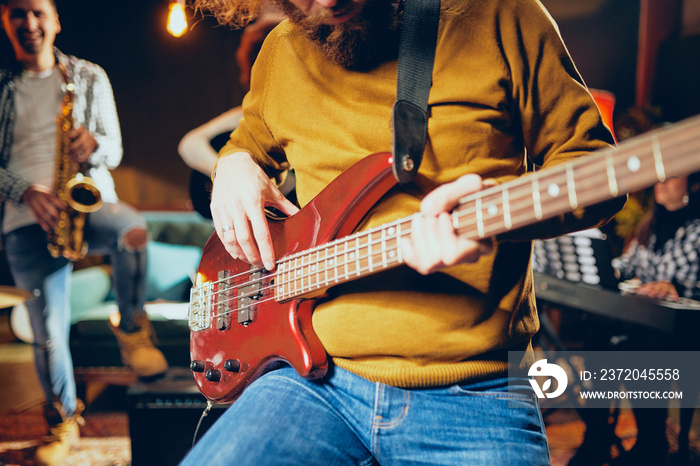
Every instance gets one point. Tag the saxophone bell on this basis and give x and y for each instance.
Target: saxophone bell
(82, 194)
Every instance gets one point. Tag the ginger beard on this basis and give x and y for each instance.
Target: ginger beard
(366, 40)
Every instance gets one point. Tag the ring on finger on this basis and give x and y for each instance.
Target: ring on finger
(227, 228)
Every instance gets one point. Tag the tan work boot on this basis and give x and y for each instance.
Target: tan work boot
(137, 349)
(61, 439)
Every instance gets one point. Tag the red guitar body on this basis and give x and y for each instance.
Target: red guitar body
(231, 351)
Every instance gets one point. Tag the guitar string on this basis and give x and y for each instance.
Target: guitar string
(318, 284)
(495, 191)
(293, 267)
(582, 185)
(514, 202)
(329, 245)
(295, 278)
(350, 255)
(620, 165)
(350, 261)
(336, 254)
(345, 276)
(527, 184)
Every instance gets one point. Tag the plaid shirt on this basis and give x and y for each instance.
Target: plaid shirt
(94, 108)
(677, 261)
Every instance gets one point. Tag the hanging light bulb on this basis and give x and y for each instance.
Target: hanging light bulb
(177, 20)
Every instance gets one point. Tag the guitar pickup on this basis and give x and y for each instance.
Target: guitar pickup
(224, 297)
(248, 295)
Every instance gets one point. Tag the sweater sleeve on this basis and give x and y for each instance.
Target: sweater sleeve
(253, 135)
(559, 118)
(12, 187)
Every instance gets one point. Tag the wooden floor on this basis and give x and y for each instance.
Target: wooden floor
(19, 391)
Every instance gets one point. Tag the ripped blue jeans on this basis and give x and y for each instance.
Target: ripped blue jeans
(48, 279)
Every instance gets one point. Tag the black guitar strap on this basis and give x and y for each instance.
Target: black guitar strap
(410, 114)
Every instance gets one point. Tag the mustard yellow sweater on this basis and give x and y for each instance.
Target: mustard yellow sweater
(503, 86)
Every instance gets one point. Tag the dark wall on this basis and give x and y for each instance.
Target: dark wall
(164, 86)
(603, 43)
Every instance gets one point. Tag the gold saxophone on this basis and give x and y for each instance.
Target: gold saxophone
(73, 187)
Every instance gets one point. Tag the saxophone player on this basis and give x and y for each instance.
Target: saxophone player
(33, 85)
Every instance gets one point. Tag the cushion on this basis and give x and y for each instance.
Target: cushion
(89, 289)
(171, 269)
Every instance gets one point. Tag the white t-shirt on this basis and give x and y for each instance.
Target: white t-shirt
(38, 101)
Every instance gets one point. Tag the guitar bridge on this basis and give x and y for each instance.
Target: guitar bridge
(200, 302)
(248, 296)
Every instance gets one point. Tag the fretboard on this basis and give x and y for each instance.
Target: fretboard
(607, 174)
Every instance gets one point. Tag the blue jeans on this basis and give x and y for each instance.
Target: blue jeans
(347, 420)
(48, 279)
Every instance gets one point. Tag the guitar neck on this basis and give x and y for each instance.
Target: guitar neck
(607, 174)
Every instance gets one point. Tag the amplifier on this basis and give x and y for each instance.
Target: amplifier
(163, 417)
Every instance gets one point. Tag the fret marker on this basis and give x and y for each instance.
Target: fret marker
(479, 219)
(493, 209)
(506, 210)
(330, 262)
(612, 181)
(392, 254)
(553, 190)
(536, 198)
(352, 255)
(658, 160)
(391, 230)
(571, 186)
(634, 164)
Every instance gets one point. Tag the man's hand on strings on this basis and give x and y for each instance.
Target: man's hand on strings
(433, 243)
(240, 194)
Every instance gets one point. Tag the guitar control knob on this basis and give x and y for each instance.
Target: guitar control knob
(232, 365)
(213, 375)
(197, 366)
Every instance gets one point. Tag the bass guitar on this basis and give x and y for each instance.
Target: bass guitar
(243, 319)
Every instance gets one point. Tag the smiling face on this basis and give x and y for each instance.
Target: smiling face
(31, 26)
(356, 34)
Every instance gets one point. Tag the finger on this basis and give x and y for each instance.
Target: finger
(672, 292)
(44, 224)
(72, 134)
(223, 226)
(46, 212)
(284, 204)
(445, 197)
(422, 253)
(230, 243)
(47, 221)
(76, 137)
(245, 240)
(408, 252)
(453, 248)
(225, 229)
(263, 239)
